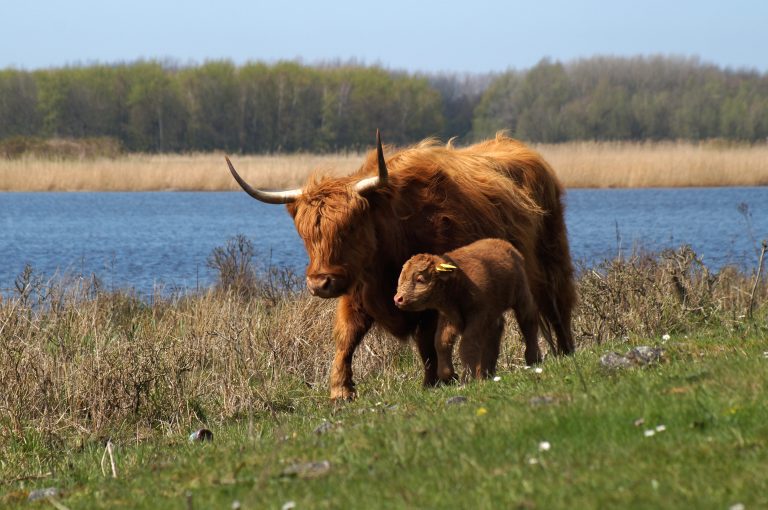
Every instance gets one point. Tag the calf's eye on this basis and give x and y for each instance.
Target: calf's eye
(420, 279)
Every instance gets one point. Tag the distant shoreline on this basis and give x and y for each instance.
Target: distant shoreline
(578, 164)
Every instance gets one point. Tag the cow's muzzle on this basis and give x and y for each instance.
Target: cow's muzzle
(326, 285)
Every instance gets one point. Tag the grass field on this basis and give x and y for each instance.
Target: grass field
(579, 164)
(81, 365)
(573, 436)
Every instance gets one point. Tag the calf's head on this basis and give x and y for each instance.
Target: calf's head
(421, 285)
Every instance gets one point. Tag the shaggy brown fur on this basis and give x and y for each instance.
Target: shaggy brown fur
(436, 199)
(471, 288)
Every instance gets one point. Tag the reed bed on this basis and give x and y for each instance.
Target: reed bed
(84, 362)
(579, 165)
(657, 164)
(180, 172)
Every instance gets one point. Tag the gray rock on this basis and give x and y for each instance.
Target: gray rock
(49, 492)
(542, 400)
(323, 427)
(644, 355)
(614, 360)
(639, 356)
(308, 469)
(457, 400)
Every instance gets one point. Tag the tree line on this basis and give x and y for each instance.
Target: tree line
(256, 108)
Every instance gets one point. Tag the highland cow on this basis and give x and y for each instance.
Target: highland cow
(359, 230)
(471, 288)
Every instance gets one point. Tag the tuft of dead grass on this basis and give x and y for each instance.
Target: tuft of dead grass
(578, 164)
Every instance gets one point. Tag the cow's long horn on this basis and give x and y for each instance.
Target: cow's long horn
(269, 197)
(379, 180)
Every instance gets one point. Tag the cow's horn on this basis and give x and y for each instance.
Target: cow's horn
(381, 179)
(269, 197)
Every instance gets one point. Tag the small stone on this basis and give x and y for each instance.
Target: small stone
(457, 400)
(542, 400)
(49, 492)
(323, 427)
(201, 436)
(613, 361)
(308, 469)
(644, 355)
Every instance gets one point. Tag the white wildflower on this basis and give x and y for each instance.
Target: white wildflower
(666, 337)
(289, 505)
(497, 379)
(538, 370)
(544, 446)
(661, 428)
(649, 432)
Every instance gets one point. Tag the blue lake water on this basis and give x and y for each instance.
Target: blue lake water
(144, 240)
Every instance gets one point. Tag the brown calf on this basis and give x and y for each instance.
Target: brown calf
(471, 288)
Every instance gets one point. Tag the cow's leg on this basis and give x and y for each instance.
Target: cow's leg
(445, 338)
(425, 343)
(491, 347)
(528, 320)
(352, 323)
(563, 308)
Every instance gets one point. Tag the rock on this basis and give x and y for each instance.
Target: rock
(542, 400)
(308, 469)
(201, 436)
(49, 492)
(614, 360)
(323, 427)
(457, 400)
(639, 356)
(644, 355)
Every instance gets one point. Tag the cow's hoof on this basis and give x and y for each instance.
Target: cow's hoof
(343, 394)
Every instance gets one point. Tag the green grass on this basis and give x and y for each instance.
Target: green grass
(399, 446)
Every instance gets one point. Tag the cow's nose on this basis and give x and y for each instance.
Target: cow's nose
(325, 285)
(398, 299)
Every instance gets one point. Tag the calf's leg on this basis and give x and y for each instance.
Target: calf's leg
(445, 338)
(492, 346)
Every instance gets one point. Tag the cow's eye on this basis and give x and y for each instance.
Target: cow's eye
(420, 279)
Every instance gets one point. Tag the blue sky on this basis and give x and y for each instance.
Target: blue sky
(470, 36)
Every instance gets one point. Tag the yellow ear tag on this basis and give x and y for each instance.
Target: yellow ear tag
(445, 268)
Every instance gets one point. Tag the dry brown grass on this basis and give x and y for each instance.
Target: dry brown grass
(657, 164)
(579, 164)
(86, 361)
(145, 172)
